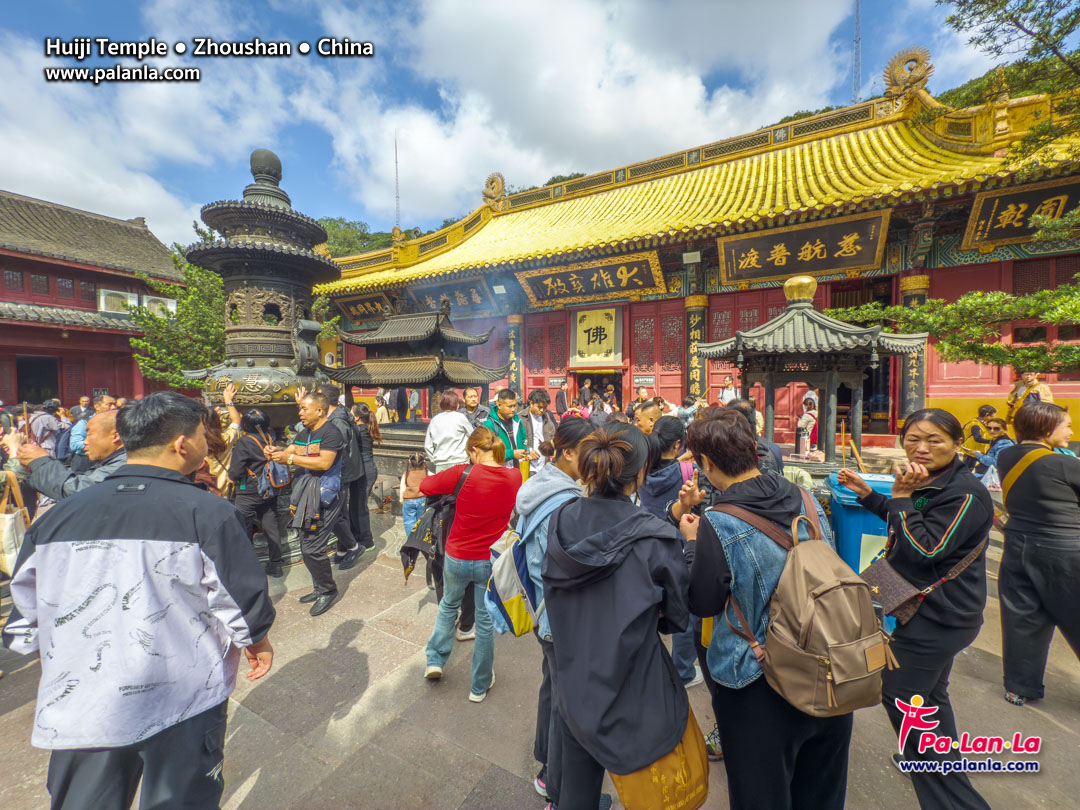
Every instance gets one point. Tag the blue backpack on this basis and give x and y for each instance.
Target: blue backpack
(274, 476)
(62, 452)
(511, 596)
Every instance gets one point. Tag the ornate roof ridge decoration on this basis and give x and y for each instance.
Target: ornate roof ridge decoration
(416, 327)
(259, 244)
(263, 207)
(802, 330)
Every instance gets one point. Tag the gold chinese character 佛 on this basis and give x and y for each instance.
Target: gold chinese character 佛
(1052, 207)
(778, 255)
(809, 252)
(749, 259)
(847, 246)
(1012, 215)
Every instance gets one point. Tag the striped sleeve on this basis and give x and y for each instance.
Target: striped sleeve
(924, 539)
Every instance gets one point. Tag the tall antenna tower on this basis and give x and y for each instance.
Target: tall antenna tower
(397, 187)
(856, 55)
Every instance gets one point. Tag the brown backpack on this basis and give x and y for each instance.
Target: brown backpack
(824, 648)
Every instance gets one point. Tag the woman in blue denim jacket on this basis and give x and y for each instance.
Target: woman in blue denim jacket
(537, 500)
(775, 756)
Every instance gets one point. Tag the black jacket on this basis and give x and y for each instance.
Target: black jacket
(1045, 499)
(931, 532)
(614, 577)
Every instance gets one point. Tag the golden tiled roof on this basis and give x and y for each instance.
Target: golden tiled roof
(868, 156)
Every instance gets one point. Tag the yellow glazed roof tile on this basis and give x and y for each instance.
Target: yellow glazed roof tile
(861, 166)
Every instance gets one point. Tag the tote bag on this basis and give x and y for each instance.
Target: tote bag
(13, 522)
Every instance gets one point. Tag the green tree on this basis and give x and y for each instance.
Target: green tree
(970, 327)
(562, 178)
(347, 237)
(193, 337)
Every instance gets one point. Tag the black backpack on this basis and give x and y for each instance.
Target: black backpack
(352, 466)
(428, 536)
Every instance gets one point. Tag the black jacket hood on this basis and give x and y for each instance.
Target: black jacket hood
(768, 495)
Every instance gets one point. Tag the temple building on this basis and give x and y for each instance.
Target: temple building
(624, 273)
(67, 278)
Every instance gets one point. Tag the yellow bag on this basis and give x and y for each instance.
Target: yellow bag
(678, 780)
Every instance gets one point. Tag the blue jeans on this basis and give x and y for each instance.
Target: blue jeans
(457, 576)
(411, 510)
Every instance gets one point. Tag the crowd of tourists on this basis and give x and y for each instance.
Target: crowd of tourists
(633, 524)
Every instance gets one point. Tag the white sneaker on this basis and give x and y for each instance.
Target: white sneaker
(479, 698)
(433, 672)
(465, 636)
(698, 677)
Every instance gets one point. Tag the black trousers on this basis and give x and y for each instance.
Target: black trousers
(467, 616)
(359, 508)
(776, 756)
(925, 651)
(341, 528)
(582, 777)
(180, 768)
(313, 547)
(261, 513)
(1039, 588)
(547, 746)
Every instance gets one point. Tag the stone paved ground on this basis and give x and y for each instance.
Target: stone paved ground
(345, 720)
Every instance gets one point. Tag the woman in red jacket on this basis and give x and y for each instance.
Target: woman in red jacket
(481, 516)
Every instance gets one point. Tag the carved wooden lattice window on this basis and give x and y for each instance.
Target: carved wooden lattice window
(88, 291)
(775, 311)
(65, 288)
(39, 284)
(645, 344)
(13, 280)
(720, 329)
(749, 318)
(558, 353)
(1031, 276)
(534, 349)
(1065, 268)
(673, 347)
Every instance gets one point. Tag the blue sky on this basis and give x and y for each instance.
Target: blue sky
(529, 89)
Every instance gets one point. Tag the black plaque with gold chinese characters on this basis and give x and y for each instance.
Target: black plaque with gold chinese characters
(1003, 217)
(696, 309)
(845, 244)
(468, 297)
(628, 276)
(365, 307)
(514, 376)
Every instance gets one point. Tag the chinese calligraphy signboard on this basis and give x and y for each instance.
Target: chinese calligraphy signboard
(468, 297)
(596, 339)
(365, 307)
(695, 334)
(513, 346)
(629, 276)
(844, 244)
(1003, 217)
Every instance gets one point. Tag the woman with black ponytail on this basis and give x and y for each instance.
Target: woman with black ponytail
(614, 578)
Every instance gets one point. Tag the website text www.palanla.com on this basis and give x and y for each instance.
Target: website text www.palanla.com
(120, 73)
(965, 765)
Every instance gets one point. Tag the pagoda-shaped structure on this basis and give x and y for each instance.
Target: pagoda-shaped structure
(265, 256)
(421, 350)
(804, 345)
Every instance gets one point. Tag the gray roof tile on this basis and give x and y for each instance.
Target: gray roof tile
(47, 229)
(61, 316)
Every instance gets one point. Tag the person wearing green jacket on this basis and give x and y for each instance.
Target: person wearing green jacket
(506, 424)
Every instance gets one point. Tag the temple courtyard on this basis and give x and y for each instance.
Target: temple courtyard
(345, 719)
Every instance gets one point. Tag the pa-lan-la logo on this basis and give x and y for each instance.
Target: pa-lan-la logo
(919, 717)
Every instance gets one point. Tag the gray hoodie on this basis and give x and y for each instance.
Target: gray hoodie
(52, 479)
(539, 490)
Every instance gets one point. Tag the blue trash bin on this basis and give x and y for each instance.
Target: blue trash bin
(860, 534)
